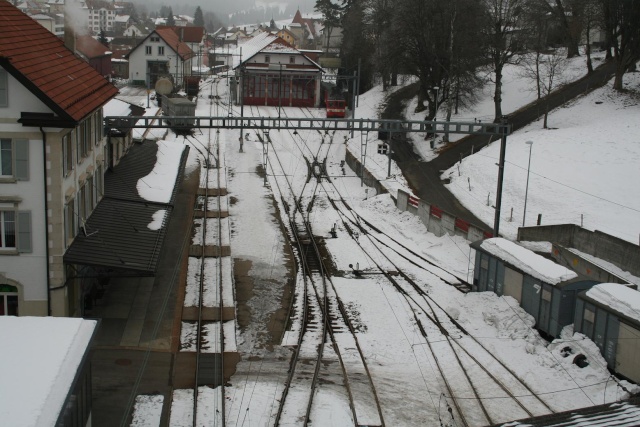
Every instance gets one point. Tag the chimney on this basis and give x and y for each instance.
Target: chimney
(69, 36)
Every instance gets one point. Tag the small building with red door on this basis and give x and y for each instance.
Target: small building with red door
(270, 71)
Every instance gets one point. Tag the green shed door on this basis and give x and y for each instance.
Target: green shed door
(628, 350)
(513, 284)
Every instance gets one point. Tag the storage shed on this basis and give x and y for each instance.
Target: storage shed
(609, 314)
(544, 289)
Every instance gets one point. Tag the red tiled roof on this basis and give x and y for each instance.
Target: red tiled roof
(187, 34)
(90, 47)
(41, 62)
(172, 39)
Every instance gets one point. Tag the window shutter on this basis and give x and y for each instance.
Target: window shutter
(24, 231)
(22, 159)
(4, 89)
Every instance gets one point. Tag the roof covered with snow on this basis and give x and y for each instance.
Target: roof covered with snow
(619, 298)
(251, 47)
(40, 358)
(527, 261)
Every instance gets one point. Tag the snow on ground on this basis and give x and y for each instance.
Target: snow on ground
(147, 410)
(583, 171)
(403, 371)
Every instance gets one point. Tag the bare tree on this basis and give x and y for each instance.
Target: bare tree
(624, 32)
(546, 70)
(505, 23)
(440, 41)
(593, 21)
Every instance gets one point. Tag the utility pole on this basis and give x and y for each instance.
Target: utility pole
(503, 147)
(241, 98)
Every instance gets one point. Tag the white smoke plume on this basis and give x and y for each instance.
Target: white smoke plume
(76, 17)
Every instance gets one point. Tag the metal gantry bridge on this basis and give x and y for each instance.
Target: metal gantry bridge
(268, 123)
(500, 129)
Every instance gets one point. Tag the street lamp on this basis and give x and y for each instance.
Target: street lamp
(526, 191)
(435, 117)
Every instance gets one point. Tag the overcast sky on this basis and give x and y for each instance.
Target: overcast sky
(222, 8)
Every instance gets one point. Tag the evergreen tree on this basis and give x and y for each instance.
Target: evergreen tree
(198, 20)
(170, 19)
(102, 38)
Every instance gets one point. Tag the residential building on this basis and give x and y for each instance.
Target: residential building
(121, 23)
(288, 36)
(95, 53)
(52, 163)
(160, 54)
(102, 15)
(135, 30)
(195, 38)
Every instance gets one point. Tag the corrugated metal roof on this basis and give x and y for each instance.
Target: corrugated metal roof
(626, 413)
(117, 236)
(40, 61)
(117, 233)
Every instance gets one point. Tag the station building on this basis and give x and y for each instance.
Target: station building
(271, 72)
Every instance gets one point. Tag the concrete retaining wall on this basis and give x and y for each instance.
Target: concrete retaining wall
(438, 221)
(369, 179)
(621, 253)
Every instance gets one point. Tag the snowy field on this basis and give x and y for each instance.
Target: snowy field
(403, 369)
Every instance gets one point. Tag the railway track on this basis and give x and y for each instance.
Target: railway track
(477, 379)
(323, 317)
(207, 341)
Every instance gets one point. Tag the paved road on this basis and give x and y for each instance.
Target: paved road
(424, 177)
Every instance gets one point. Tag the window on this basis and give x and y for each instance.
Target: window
(8, 300)
(99, 182)
(267, 59)
(160, 50)
(83, 139)
(91, 199)
(155, 38)
(67, 154)
(6, 157)
(98, 126)
(7, 229)
(14, 159)
(82, 205)
(69, 221)
(147, 50)
(292, 60)
(4, 89)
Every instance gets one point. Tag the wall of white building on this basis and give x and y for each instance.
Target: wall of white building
(28, 271)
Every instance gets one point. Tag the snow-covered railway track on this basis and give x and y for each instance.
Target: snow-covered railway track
(481, 387)
(320, 299)
(204, 337)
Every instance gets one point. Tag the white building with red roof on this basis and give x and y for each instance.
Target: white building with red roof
(161, 54)
(52, 164)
